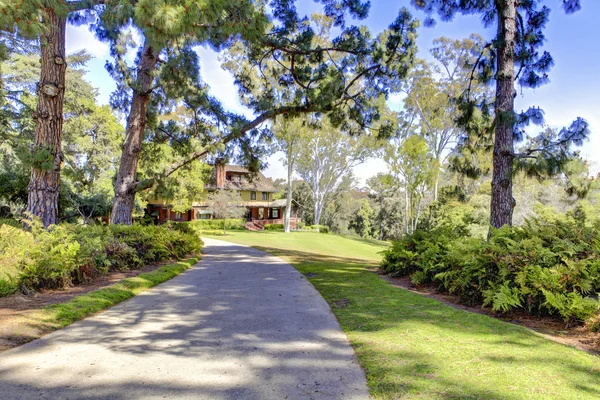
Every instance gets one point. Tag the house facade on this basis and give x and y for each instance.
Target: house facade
(256, 193)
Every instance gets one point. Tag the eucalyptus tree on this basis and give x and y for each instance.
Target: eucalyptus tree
(512, 56)
(325, 159)
(342, 86)
(431, 91)
(413, 167)
(288, 133)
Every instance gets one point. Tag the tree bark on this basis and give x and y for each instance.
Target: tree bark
(317, 209)
(44, 183)
(502, 202)
(125, 185)
(288, 200)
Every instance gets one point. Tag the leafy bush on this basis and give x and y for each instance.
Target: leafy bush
(320, 228)
(10, 222)
(69, 254)
(543, 267)
(214, 224)
(274, 227)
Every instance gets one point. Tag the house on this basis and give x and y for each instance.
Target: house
(256, 193)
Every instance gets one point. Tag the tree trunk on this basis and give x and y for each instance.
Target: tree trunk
(44, 183)
(502, 202)
(406, 210)
(317, 209)
(125, 185)
(288, 200)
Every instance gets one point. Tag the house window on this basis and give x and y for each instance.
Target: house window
(203, 214)
(252, 195)
(235, 178)
(178, 216)
(265, 196)
(275, 213)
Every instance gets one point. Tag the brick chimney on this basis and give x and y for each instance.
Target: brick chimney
(219, 173)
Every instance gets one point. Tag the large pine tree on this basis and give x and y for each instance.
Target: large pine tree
(514, 57)
(166, 75)
(46, 21)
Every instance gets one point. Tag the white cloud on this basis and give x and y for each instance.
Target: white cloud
(220, 81)
(80, 38)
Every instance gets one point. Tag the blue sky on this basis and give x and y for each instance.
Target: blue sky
(574, 88)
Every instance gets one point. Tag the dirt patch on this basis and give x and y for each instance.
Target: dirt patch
(20, 313)
(551, 328)
(341, 303)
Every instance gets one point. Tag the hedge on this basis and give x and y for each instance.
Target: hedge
(274, 227)
(70, 254)
(215, 224)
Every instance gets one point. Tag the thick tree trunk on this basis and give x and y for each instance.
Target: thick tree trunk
(125, 185)
(288, 200)
(502, 202)
(44, 184)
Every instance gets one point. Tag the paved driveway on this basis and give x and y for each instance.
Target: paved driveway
(240, 325)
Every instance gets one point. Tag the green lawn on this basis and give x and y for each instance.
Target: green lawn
(414, 347)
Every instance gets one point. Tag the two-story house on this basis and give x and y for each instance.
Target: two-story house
(256, 193)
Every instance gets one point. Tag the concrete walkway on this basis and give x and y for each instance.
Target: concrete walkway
(240, 325)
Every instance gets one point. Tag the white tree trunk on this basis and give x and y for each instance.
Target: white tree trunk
(288, 200)
(406, 211)
(318, 208)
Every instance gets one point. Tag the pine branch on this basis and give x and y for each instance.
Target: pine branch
(235, 134)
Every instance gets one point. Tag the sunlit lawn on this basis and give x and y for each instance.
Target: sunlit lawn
(411, 346)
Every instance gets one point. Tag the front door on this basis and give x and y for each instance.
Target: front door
(261, 213)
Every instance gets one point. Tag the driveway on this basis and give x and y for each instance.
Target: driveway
(241, 324)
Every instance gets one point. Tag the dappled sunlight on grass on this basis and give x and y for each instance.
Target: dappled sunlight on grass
(416, 347)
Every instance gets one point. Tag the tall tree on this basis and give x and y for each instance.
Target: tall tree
(91, 135)
(431, 91)
(326, 157)
(513, 57)
(412, 165)
(287, 134)
(45, 20)
(363, 69)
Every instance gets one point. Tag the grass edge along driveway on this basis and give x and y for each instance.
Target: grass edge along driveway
(414, 347)
(60, 315)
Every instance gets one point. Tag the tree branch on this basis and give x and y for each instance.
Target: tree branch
(235, 134)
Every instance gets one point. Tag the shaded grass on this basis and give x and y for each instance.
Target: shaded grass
(411, 346)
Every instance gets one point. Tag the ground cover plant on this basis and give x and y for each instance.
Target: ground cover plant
(548, 266)
(70, 254)
(411, 346)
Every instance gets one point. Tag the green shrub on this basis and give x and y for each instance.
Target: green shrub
(274, 227)
(10, 222)
(320, 228)
(70, 254)
(215, 224)
(543, 267)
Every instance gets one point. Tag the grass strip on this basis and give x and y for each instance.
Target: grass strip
(60, 315)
